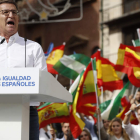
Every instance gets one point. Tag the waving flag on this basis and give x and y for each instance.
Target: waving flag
(71, 66)
(53, 57)
(54, 112)
(128, 62)
(82, 105)
(87, 90)
(49, 50)
(120, 61)
(103, 106)
(43, 106)
(106, 74)
(126, 106)
(87, 109)
(136, 43)
(113, 108)
(132, 60)
(76, 124)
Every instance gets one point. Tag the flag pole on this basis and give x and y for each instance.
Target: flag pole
(70, 82)
(102, 100)
(136, 93)
(56, 76)
(138, 32)
(133, 42)
(132, 90)
(93, 62)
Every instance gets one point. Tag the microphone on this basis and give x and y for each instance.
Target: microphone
(2, 41)
(25, 50)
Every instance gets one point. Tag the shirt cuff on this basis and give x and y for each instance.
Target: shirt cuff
(125, 125)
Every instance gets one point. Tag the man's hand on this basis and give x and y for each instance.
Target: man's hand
(131, 99)
(133, 107)
(98, 112)
(52, 132)
(82, 116)
(128, 114)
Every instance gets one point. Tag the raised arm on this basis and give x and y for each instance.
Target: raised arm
(132, 108)
(104, 135)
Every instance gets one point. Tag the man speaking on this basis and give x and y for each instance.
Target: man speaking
(12, 52)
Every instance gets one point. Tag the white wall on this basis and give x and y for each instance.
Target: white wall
(111, 41)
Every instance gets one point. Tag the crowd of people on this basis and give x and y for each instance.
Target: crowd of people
(115, 129)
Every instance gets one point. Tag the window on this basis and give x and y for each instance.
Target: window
(129, 34)
(131, 5)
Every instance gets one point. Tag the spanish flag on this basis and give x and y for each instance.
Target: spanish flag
(131, 61)
(126, 106)
(121, 58)
(53, 113)
(106, 74)
(87, 109)
(76, 124)
(128, 62)
(53, 57)
(87, 90)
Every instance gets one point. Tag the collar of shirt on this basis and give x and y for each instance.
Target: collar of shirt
(1, 38)
(12, 38)
(121, 138)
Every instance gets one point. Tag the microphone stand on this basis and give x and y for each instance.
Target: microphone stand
(25, 50)
(2, 41)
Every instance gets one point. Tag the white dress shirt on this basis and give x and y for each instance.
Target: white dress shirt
(121, 138)
(64, 138)
(12, 54)
(133, 131)
(43, 136)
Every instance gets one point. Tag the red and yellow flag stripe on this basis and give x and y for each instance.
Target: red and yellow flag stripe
(106, 74)
(76, 124)
(121, 54)
(126, 106)
(53, 57)
(131, 62)
(87, 91)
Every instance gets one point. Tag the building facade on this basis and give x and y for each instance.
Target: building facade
(120, 19)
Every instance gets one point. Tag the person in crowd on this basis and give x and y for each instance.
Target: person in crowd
(132, 130)
(66, 131)
(12, 52)
(89, 124)
(47, 133)
(137, 97)
(85, 135)
(52, 133)
(58, 128)
(106, 124)
(115, 130)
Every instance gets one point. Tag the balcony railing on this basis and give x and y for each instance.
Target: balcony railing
(120, 10)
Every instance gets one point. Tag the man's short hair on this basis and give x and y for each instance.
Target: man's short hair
(9, 1)
(63, 123)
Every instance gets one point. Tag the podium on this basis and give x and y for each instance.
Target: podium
(19, 87)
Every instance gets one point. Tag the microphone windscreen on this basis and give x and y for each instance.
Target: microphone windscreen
(2, 41)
